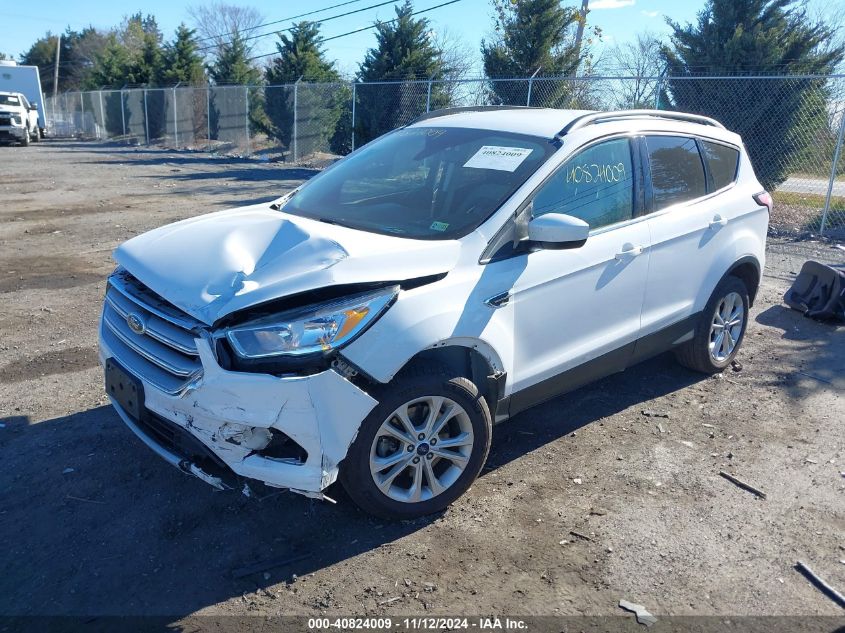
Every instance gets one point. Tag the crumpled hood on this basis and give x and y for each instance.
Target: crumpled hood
(216, 264)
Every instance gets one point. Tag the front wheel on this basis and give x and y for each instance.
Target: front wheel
(720, 330)
(25, 139)
(420, 448)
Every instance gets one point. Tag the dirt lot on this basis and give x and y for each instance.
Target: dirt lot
(92, 523)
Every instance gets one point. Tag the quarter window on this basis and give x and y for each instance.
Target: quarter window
(595, 185)
(721, 163)
(677, 173)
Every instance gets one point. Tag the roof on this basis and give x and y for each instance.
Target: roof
(542, 122)
(549, 123)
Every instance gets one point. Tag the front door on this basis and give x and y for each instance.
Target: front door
(576, 312)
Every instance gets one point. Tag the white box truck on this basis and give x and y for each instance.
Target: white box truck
(24, 80)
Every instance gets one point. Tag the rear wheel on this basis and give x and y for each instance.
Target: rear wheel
(35, 136)
(720, 331)
(420, 448)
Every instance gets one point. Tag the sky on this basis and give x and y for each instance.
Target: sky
(466, 20)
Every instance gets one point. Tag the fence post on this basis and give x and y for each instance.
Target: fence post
(208, 115)
(103, 114)
(82, 109)
(122, 113)
(659, 90)
(530, 86)
(354, 93)
(295, 116)
(830, 184)
(428, 98)
(246, 121)
(146, 118)
(175, 124)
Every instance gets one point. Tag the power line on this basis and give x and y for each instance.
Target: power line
(367, 28)
(328, 19)
(293, 17)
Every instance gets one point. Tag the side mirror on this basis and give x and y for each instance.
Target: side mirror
(33, 106)
(558, 231)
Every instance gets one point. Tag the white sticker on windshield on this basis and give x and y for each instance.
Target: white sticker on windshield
(496, 157)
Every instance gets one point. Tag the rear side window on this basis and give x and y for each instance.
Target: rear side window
(677, 173)
(722, 162)
(595, 185)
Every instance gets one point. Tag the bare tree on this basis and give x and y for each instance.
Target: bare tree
(642, 62)
(217, 23)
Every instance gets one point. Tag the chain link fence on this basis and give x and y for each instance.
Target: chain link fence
(793, 126)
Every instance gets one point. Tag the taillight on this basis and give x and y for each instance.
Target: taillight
(764, 199)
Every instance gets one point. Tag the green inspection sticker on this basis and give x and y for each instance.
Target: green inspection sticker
(439, 226)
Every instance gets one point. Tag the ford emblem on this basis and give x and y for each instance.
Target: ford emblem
(136, 323)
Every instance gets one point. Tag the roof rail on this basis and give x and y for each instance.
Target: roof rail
(617, 115)
(447, 111)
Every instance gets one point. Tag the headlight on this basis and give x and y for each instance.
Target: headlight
(310, 330)
(16, 120)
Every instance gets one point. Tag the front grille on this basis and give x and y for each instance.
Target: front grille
(5, 120)
(162, 351)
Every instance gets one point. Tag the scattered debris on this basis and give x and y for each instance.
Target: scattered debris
(67, 471)
(389, 600)
(577, 480)
(807, 460)
(564, 542)
(736, 365)
(643, 616)
(821, 584)
(246, 492)
(655, 414)
(660, 428)
(270, 563)
(708, 426)
(102, 503)
(579, 535)
(742, 484)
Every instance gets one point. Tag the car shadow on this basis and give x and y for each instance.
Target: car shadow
(88, 508)
(818, 352)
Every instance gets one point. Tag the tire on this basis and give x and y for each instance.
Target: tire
(416, 393)
(36, 136)
(696, 353)
(25, 139)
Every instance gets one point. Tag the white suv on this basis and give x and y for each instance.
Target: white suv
(374, 323)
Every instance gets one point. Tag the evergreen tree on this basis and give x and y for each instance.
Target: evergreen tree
(319, 107)
(182, 63)
(777, 120)
(404, 51)
(532, 35)
(232, 67)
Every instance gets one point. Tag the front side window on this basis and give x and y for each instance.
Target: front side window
(423, 182)
(10, 100)
(722, 162)
(677, 173)
(596, 185)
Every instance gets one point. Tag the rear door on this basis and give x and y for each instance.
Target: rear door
(687, 223)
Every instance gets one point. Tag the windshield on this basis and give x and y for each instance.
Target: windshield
(423, 182)
(10, 100)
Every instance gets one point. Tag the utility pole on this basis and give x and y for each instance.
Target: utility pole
(56, 69)
(579, 34)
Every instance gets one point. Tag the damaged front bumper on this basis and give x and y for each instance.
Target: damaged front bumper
(236, 415)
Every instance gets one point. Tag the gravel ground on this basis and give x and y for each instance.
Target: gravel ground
(92, 523)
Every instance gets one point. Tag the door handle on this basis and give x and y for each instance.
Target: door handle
(718, 221)
(629, 252)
